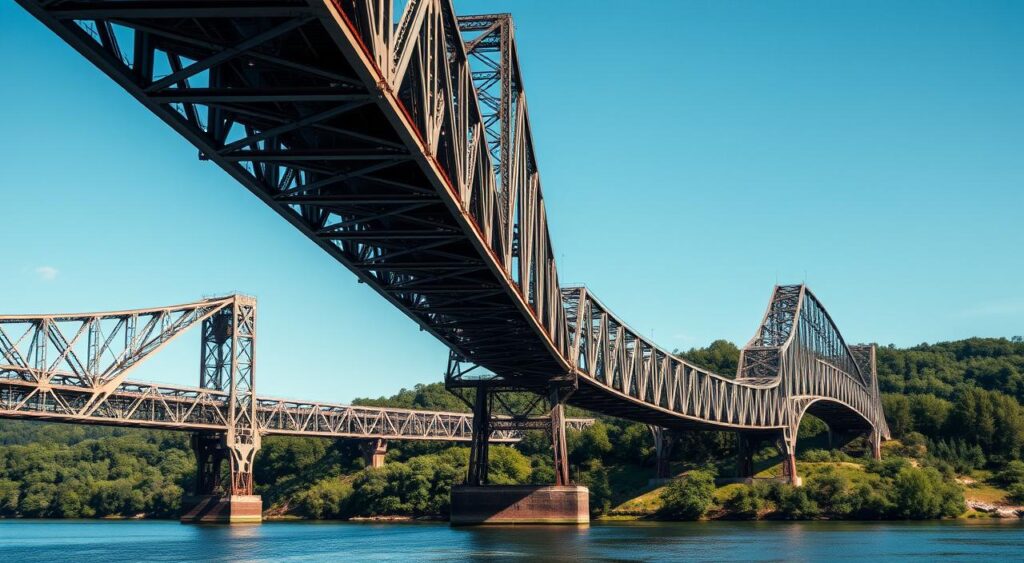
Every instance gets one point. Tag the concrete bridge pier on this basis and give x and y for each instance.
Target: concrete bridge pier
(374, 452)
(747, 443)
(478, 502)
(211, 502)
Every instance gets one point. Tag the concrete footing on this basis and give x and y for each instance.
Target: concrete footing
(216, 509)
(519, 504)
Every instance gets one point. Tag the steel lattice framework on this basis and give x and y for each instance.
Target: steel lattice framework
(400, 142)
(72, 367)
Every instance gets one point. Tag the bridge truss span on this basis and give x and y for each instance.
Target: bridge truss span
(796, 358)
(72, 367)
(397, 137)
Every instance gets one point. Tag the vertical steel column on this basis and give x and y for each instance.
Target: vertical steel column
(561, 455)
(875, 443)
(787, 447)
(664, 441)
(215, 350)
(228, 364)
(243, 439)
(478, 451)
(209, 452)
(745, 446)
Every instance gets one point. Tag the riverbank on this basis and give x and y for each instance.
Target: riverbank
(847, 487)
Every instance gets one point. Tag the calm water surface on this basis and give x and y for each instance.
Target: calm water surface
(62, 540)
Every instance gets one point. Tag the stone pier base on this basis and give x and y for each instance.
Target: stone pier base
(519, 504)
(216, 509)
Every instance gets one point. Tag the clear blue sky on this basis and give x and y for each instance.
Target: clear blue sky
(692, 154)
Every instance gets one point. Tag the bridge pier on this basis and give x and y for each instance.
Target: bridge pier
(211, 502)
(374, 452)
(875, 443)
(478, 502)
(787, 446)
(664, 442)
(227, 363)
(745, 447)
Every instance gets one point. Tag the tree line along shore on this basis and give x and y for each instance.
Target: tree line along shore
(955, 410)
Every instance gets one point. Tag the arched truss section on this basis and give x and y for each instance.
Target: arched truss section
(795, 357)
(396, 136)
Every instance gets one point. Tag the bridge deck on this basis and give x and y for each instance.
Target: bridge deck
(363, 128)
(170, 407)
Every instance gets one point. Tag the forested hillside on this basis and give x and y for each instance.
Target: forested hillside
(955, 407)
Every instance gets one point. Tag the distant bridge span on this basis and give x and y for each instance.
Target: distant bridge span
(73, 367)
(400, 142)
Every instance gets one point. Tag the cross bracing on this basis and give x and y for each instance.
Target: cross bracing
(397, 137)
(71, 367)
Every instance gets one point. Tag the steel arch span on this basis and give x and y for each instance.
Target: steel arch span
(396, 136)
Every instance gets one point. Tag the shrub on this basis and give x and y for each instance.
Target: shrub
(689, 497)
(746, 503)
(1016, 492)
(824, 456)
(922, 493)
(793, 503)
(831, 493)
(325, 499)
(1011, 474)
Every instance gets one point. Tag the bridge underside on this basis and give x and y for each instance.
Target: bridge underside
(401, 145)
(268, 91)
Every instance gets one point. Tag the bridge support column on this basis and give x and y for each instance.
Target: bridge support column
(875, 443)
(477, 502)
(745, 446)
(228, 360)
(558, 442)
(212, 500)
(664, 441)
(480, 444)
(374, 452)
(787, 446)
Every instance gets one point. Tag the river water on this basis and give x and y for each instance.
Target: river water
(81, 540)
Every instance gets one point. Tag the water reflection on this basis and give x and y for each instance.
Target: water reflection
(36, 540)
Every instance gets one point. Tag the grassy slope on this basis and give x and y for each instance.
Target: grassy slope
(648, 502)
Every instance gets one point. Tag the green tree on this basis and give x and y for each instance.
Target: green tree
(688, 497)
(1011, 474)
(922, 493)
(746, 503)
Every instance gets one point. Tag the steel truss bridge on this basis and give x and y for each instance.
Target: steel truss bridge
(396, 136)
(74, 368)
